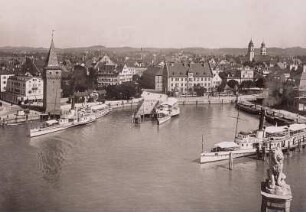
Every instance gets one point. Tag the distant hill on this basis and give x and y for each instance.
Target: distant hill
(293, 51)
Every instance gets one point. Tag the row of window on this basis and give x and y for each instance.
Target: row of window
(185, 84)
(190, 79)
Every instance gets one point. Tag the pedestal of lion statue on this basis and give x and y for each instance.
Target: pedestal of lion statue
(276, 194)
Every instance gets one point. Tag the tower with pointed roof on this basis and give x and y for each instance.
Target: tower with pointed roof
(263, 49)
(251, 52)
(52, 83)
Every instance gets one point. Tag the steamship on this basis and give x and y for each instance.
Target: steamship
(75, 117)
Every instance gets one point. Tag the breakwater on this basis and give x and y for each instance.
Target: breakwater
(214, 99)
(280, 117)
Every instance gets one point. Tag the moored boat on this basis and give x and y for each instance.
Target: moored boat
(285, 137)
(100, 110)
(248, 107)
(162, 117)
(74, 118)
(246, 144)
(166, 110)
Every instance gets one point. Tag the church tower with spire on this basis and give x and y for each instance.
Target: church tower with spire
(52, 75)
(251, 52)
(263, 49)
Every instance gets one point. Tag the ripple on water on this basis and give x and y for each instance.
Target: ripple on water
(113, 165)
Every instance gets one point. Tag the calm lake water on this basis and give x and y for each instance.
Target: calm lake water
(113, 165)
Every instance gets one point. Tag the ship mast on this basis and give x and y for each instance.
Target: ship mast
(236, 128)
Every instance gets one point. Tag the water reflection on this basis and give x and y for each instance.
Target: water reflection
(51, 157)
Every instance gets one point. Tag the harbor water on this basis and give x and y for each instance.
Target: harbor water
(114, 165)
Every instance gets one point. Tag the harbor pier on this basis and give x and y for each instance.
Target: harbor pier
(147, 105)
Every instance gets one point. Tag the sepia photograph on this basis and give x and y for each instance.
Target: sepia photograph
(152, 106)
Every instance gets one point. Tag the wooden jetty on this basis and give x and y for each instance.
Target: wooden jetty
(147, 105)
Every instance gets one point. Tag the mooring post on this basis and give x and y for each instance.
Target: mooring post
(299, 145)
(264, 153)
(258, 152)
(230, 161)
(289, 147)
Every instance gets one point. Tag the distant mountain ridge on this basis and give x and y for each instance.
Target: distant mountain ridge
(292, 51)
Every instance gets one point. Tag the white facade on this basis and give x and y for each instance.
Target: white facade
(184, 83)
(108, 79)
(3, 81)
(216, 80)
(126, 74)
(22, 88)
(247, 74)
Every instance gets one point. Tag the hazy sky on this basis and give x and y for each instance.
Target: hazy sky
(153, 23)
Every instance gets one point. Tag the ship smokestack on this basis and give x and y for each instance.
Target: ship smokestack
(72, 102)
(262, 119)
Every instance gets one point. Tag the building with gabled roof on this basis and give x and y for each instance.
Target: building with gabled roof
(183, 77)
(30, 68)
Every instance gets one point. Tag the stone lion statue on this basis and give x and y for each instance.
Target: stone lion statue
(276, 177)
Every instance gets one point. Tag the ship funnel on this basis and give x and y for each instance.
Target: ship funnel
(72, 102)
(262, 119)
(260, 134)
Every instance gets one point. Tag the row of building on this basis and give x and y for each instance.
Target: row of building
(183, 77)
(111, 73)
(25, 88)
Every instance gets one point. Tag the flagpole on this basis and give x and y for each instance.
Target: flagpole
(202, 144)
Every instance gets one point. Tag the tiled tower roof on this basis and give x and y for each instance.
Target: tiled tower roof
(51, 61)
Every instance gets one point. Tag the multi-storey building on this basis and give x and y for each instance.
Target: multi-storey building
(126, 73)
(245, 74)
(110, 73)
(159, 80)
(3, 80)
(23, 89)
(216, 80)
(183, 77)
